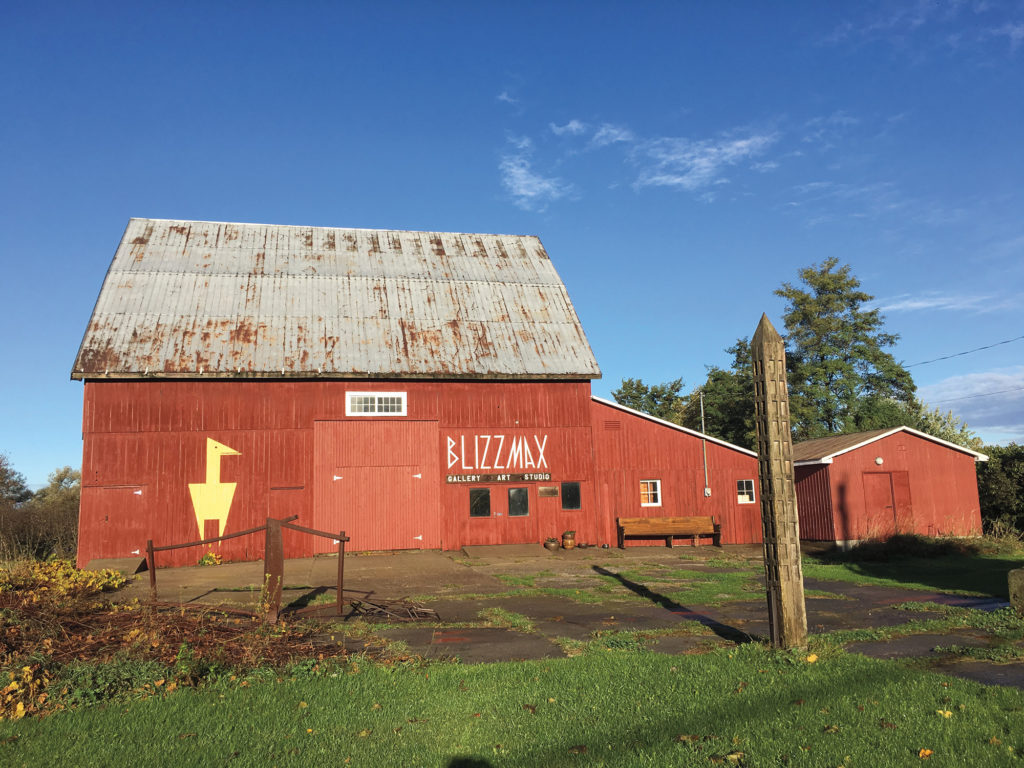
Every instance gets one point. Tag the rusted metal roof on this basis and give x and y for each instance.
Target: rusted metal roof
(824, 449)
(192, 298)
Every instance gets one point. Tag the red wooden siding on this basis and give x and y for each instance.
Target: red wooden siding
(375, 479)
(814, 505)
(153, 435)
(630, 448)
(920, 487)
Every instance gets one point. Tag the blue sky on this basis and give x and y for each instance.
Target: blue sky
(678, 160)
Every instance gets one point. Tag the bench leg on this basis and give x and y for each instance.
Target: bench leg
(622, 539)
(668, 542)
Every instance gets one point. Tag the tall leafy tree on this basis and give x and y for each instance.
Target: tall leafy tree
(1001, 486)
(837, 355)
(660, 400)
(728, 400)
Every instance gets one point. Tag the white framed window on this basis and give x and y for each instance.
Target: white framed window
(745, 491)
(375, 404)
(650, 493)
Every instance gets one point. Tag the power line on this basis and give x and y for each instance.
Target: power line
(967, 352)
(969, 397)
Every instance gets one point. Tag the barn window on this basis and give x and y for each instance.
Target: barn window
(375, 404)
(650, 493)
(518, 502)
(745, 491)
(570, 495)
(479, 502)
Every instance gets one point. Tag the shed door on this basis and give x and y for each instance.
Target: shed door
(377, 481)
(879, 506)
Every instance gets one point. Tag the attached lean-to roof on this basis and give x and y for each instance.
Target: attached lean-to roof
(218, 300)
(669, 424)
(825, 449)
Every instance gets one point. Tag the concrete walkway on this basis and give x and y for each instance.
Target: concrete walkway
(587, 593)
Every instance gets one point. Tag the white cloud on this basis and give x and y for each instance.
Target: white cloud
(992, 401)
(610, 134)
(909, 303)
(691, 165)
(764, 167)
(506, 97)
(572, 128)
(1014, 32)
(530, 190)
(945, 302)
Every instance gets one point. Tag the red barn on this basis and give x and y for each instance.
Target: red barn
(872, 485)
(415, 389)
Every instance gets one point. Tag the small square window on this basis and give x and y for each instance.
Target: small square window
(571, 496)
(745, 491)
(375, 404)
(518, 502)
(650, 493)
(479, 502)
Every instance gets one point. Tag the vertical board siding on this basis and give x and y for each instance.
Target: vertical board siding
(630, 448)
(153, 435)
(814, 505)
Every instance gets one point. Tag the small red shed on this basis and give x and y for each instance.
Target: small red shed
(872, 485)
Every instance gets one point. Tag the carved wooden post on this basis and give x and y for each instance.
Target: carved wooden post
(787, 613)
(273, 570)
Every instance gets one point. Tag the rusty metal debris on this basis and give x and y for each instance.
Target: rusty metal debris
(399, 610)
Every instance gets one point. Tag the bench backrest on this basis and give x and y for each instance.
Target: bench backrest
(680, 525)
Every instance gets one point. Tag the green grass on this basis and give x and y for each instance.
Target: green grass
(499, 617)
(982, 575)
(611, 707)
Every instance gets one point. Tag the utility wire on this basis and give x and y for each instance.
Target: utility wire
(969, 397)
(967, 352)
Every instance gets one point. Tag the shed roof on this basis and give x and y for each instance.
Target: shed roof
(670, 425)
(191, 298)
(825, 449)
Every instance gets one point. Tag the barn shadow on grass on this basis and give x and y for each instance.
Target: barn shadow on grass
(732, 634)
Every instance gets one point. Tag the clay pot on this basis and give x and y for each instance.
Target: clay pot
(569, 540)
(551, 544)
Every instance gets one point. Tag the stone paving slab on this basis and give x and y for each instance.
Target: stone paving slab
(487, 644)
(916, 646)
(985, 672)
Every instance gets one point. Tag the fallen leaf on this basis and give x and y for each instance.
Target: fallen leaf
(530, 708)
(686, 737)
(579, 749)
(831, 729)
(798, 702)
(303, 705)
(364, 733)
(995, 740)
(185, 735)
(886, 724)
(924, 754)
(812, 658)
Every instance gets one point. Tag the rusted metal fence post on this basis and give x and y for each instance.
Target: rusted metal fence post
(342, 538)
(273, 570)
(151, 567)
(787, 611)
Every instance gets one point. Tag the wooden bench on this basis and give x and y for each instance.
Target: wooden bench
(668, 528)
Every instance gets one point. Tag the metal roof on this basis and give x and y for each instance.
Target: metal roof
(824, 449)
(191, 298)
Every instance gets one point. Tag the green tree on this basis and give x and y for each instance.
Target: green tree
(46, 524)
(728, 400)
(836, 352)
(12, 483)
(1001, 485)
(660, 400)
(886, 413)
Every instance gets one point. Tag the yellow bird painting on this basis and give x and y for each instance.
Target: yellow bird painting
(212, 500)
